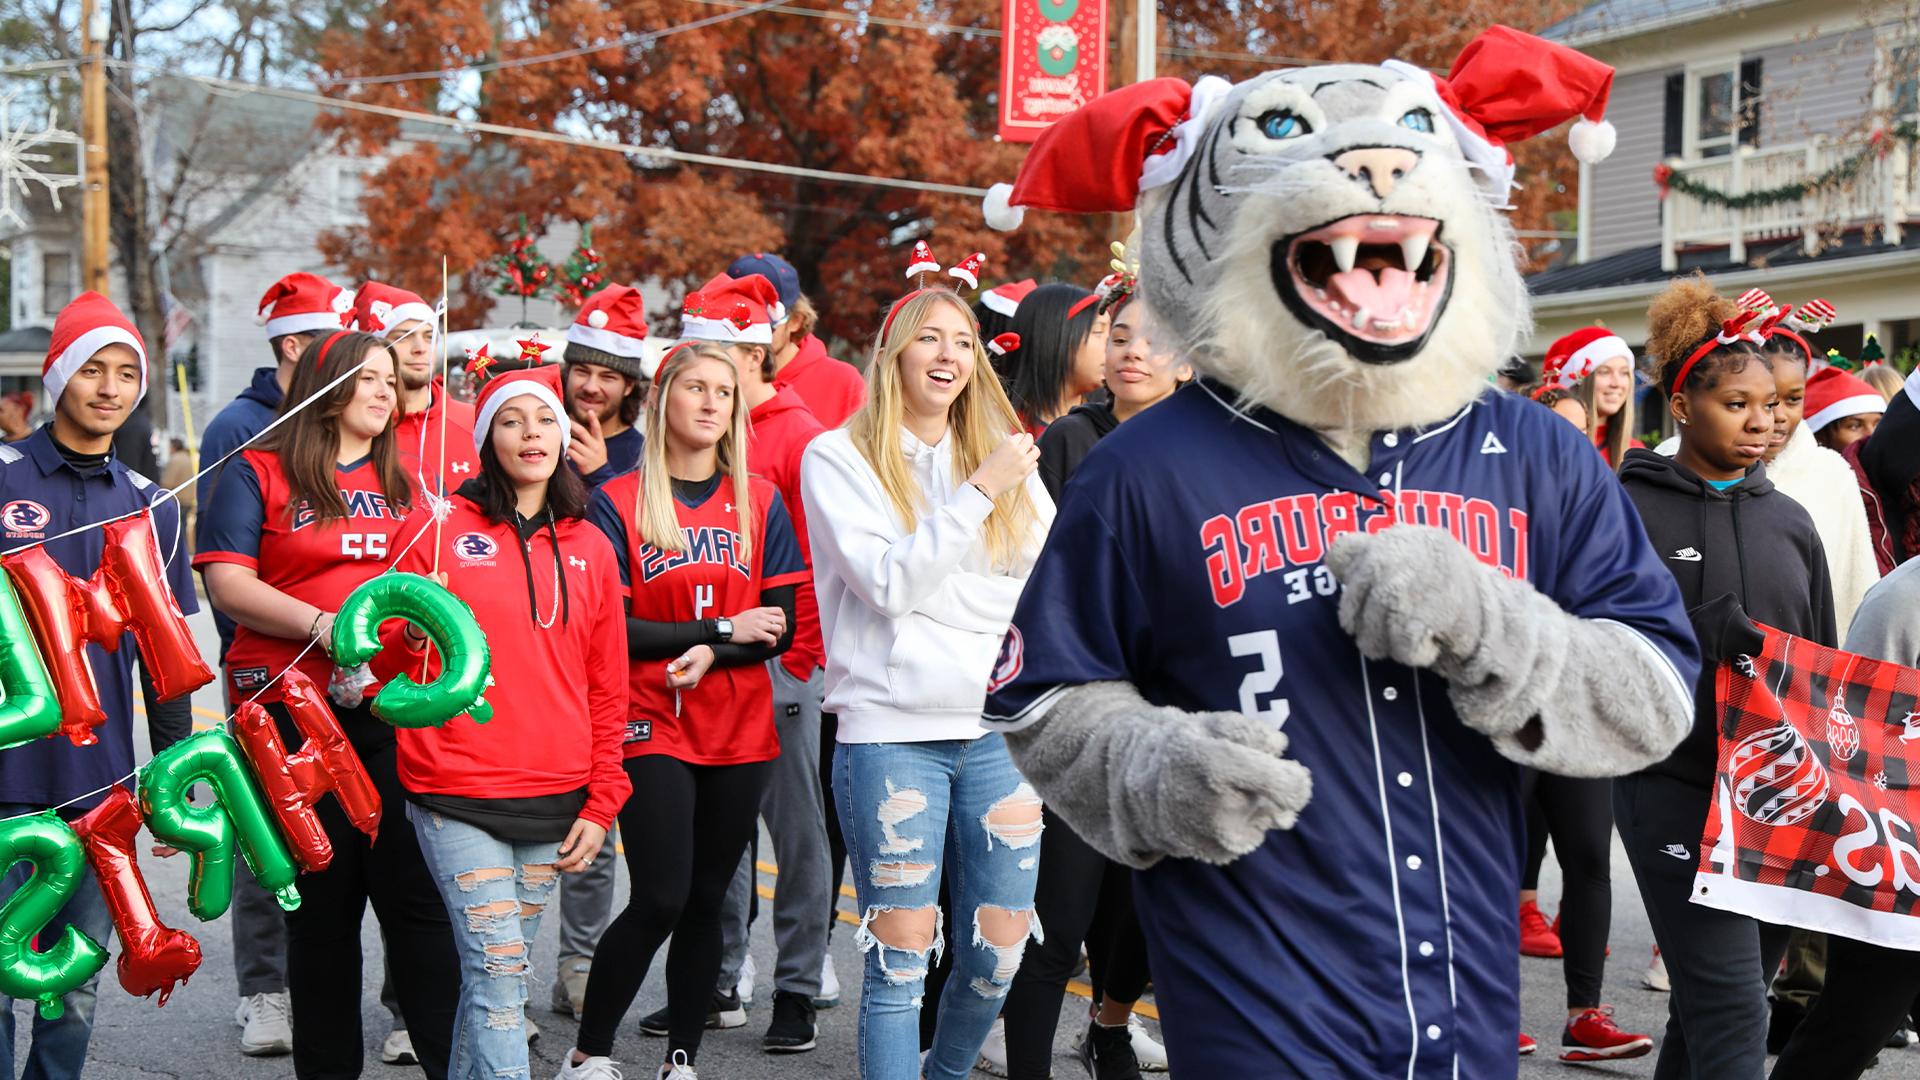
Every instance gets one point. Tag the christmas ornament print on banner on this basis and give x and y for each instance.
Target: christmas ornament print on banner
(1053, 60)
(1817, 794)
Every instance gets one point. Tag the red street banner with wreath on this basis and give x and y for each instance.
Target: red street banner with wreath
(1815, 798)
(1053, 59)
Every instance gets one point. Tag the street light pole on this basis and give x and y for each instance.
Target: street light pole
(93, 133)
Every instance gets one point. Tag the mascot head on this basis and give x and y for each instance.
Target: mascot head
(1329, 241)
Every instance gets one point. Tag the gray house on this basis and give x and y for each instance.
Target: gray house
(1738, 104)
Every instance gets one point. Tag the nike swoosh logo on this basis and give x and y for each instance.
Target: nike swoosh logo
(1678, 851)
(1685, 555)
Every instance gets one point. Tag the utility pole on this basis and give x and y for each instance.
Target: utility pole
(93, 134)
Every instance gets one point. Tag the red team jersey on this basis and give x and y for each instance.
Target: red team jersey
(417, 437)
(248, 524)
(728, 718)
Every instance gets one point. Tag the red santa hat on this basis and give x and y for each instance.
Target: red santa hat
(304, 303)
(378, 308)
(1834, 394)
(730, 311)
(1574, 356)
(84, 327)
(541, 382)
(1505, 86)
(1006, 298)
(611, 329)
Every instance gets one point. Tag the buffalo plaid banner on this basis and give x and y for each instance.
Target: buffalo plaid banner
(1816, 793)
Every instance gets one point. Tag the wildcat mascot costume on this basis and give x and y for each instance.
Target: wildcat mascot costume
(1297, 628)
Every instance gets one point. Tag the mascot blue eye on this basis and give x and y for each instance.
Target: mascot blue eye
(1419, 120)
(1281, 124)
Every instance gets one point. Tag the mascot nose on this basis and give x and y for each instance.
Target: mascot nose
(1379, 167)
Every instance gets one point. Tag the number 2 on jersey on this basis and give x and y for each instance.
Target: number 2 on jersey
(1265, 646)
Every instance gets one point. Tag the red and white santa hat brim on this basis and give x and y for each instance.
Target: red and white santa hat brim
(1574, 356)
(613, 320)
(303, 303)
(1006, 298)
(1833, 394)
(730, 311)
(541, 383)
(379, 307)
(84, 327)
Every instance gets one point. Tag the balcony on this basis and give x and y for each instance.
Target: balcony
(1882, 197)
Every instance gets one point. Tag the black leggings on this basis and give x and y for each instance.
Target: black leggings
(1080, 896)
(836, 842)
(686, 827)
(323, 934)
(1578, 814)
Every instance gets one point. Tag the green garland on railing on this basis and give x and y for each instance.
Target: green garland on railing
(1670, 179)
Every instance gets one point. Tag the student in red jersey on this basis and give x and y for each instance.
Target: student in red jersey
(298, 522)
(780, 429)
(832, 389)
(502, 810)
(711, 561)
(407, 324)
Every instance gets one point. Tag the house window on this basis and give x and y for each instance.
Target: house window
(1710, 110)
(56, 281)
(1904, 81)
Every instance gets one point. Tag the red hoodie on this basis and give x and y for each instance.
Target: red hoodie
(559, 694)
(832, 389)
(781, 427)
(418, 434)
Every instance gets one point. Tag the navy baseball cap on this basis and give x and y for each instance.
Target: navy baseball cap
(786, 280)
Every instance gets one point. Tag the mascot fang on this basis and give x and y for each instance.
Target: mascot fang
(1297, 628)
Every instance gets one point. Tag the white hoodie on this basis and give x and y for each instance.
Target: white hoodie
(1823, 483)
(912, 620)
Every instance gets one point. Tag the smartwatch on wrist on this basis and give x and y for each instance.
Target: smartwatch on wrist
(723, 629)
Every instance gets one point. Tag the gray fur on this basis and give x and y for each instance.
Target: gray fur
(1140, 782)
(1563, 694)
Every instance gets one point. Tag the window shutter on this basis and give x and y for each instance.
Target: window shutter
(1674, 141)
(1750, 102)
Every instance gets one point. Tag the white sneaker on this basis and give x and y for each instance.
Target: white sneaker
(533, 1029)
(745, 988)
(829, 995)
(1655, 977)
(594, 1068)
(677, 1069)
(266, 1026)
(398, 1049)
(993, 1053)
(1146, 1050)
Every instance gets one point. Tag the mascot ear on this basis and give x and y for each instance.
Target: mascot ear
(1098, 158)
(1507, 86)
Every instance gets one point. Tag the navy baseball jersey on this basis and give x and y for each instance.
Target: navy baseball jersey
(1377, 937)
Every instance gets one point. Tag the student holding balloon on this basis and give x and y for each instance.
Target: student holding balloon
(62, 477)
(502, 810)
(296, 523)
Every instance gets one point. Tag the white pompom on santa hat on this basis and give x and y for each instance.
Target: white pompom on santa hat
(303, 303)
(84, 327)
(614, 321)
(1504, 87)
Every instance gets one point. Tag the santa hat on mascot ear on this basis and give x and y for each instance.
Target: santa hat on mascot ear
(1505, 86)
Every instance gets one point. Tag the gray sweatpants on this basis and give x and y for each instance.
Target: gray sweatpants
(259, 928)
(797, 821)
(586, 904)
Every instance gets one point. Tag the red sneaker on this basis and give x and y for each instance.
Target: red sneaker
(1537, 938)
(1527, 1045)
(1592, 1036)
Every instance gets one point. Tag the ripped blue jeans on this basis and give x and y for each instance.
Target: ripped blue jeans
(913, 813)
(495, 891)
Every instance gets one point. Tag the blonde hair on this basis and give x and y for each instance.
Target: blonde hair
(978, 419)
(1883, 378)
(654, 515)
(803, 318)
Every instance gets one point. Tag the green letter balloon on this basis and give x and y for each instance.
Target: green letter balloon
(28, 708)
(238, 812)
(59, 862)
(445, 618)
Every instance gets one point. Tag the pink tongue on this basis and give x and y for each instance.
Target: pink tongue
(1382, 298)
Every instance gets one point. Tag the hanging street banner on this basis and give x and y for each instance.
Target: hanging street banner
(1053, 60)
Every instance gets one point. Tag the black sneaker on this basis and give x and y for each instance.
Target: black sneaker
(1107, 1053)
(792, 1029)
(725, 1011)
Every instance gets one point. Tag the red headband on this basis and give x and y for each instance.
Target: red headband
(1082, 305)
(900, 303)
(1781, 331)
(1731, 331)
(321, 359)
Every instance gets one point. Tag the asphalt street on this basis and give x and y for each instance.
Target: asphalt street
(195, 1036)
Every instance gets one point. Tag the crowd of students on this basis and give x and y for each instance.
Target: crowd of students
(749, 583)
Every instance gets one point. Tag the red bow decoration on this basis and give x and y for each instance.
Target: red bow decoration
(1662, 178)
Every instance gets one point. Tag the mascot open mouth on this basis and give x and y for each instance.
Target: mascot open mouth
(1374, 283)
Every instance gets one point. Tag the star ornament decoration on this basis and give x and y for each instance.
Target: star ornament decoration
(531, 350)
(24, 163)
(480, 363)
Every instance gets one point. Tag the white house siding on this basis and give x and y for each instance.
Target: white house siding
(1625, 204)
(1814, 88)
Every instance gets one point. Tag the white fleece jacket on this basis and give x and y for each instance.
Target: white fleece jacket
(912, 620)
(1823, 483)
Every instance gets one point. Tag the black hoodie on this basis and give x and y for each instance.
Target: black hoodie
(1068, 440)
(1749, 540)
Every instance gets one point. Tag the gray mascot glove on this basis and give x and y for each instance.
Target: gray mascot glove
(1139, 781)
(1567, 695)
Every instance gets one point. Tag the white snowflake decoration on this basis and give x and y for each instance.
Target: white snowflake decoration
(1745, 665)
(1880, 780)
(21, 162)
